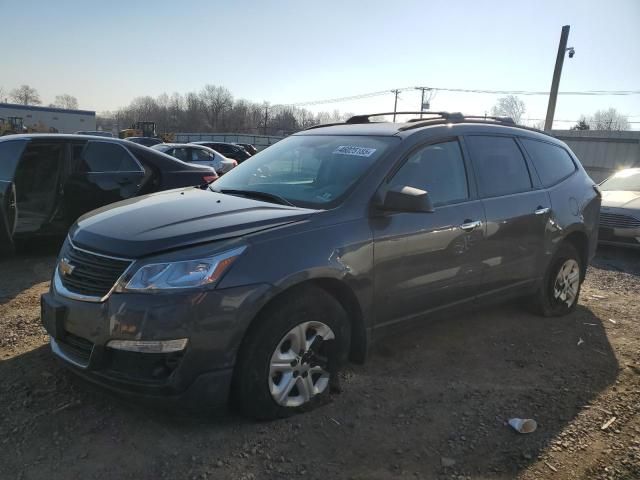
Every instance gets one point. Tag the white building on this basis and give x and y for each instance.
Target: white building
(50, 119)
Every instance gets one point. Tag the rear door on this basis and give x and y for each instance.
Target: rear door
(104, 172)
(425, 261)
(10, 152)
(517, 210)
(37, 181)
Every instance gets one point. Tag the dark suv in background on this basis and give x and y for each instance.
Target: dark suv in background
(229, 150)
(48, 181)
(264, 284)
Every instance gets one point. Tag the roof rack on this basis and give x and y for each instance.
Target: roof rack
(459, 118)
(366, 118)
(434, 118)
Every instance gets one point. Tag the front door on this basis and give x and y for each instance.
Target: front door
(517, 212)
(425, 261)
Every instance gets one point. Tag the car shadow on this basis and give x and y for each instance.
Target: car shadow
(32, 264)
(617, 259)
(442, 389)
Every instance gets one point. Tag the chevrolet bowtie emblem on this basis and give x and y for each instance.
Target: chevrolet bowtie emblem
(65, 267)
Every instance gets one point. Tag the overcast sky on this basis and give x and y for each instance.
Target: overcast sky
(107, 52)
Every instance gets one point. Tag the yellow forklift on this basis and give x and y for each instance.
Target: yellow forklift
(139, 129)
(145, 129)
(11, 125)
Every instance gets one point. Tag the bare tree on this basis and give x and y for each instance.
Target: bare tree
(609, 119)
(65, 101)
(25, 95)
(581, 125)
(215, 101)
(509, 106)
(3, 92)
(213, 109)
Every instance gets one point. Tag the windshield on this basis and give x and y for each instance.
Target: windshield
(628, 180)
(313, 171)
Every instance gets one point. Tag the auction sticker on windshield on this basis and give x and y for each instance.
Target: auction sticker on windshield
(353, 150)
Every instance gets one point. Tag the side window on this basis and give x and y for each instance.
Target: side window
(552, 163)
(107, 157)
(438, 169)
(9, 156)
(38, 170)
(181, 154)
(500, 166)
(198, 155)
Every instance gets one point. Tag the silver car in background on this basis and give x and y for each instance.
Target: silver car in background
(201, 155)
(620, 210)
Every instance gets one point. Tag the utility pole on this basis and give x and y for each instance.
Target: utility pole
(395, 104)
(422, 99)
(555, 83)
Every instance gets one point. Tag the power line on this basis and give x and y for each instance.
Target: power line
(464, 90)
(569, 121)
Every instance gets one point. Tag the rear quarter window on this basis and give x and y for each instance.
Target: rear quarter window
(553, 163)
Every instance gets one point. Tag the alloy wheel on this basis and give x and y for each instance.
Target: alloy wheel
(567, 283)
(299, 365)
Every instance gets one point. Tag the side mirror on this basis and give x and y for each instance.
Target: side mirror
(403, 198)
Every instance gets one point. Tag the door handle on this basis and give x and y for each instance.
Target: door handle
(542, 210)
(469, 225)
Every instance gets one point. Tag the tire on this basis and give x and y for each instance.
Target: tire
(550, 301)
(262, 375)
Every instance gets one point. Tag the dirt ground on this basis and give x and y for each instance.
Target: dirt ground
(429, 403)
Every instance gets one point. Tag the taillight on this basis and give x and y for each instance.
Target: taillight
(209, 178)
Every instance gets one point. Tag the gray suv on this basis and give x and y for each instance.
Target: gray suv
(261, 285)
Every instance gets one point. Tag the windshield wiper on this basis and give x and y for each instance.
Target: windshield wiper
(270, 197)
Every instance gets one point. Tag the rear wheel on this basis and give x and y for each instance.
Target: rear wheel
(561, 285)
(289, 360)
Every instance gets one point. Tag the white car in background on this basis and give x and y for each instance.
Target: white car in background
(620, 210)
(198, 154)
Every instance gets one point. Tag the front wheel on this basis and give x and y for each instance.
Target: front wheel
(292, 354)
(560, 290)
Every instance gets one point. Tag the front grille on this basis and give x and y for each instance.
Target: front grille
(616, 220)
(77, 348)
(92, 275)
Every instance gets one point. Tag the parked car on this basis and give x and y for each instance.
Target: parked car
(146, 141)
(620, 211)
(251, 149)
(48, 181)
(198, 154)
(264, 284)
(97, 133)
(229, 150)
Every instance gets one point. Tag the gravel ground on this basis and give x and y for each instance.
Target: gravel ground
(430, 402)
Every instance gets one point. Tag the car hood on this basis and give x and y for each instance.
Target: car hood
(621, 199)
(177, 218)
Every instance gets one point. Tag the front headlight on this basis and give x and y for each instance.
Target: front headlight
(183, 274)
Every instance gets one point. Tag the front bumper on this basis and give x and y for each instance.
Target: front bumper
(214, 321)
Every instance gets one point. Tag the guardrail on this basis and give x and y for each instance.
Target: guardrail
(259, 141)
